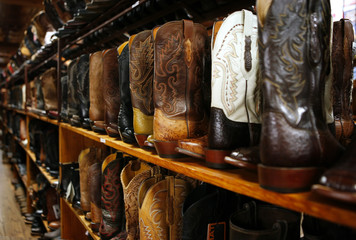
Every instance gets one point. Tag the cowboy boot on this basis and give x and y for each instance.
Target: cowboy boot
(264, 222)
(82, 119)
(64, 99)
(295, 140)
(338, 182)
(49, 89)
(52, 204)
(39, 98)
(86, 158)
(342, 70)
(160, 205)
(94, 183)
(96, 109)
(112, 201)
(73, 102)
(111, 91)
(207, 208)
(234, 119)
(132, 175)
(177, 87)
(125, 117)
(141, 84)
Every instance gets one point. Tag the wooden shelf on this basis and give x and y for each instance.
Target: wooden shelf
(43, 118)
(236, 180)
(52, 180)
(80, 216)
(23, 178)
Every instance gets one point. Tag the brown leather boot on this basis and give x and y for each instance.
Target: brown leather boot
(141, 84)
(97, 104)
(342, 70)
(52, 204)
(294, 60)
(339, 181)
(180, 48)
(112, 196)
(49, 89)
(111, 91)
(87, 157)
(160, 208)
(94, 183)
(133, 174)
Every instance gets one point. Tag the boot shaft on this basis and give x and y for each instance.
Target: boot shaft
(96, 109)
(141, 81)
(125, 117)
(49, 89)
(112, 199)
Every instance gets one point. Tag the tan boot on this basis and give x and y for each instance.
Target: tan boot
(160, 208)
(133, 174)
(97, 104)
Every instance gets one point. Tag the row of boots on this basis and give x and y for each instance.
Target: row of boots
(125, 198)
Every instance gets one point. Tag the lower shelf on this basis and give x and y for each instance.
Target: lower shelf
(80, 216)
(237, 180)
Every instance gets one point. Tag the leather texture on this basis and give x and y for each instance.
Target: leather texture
(194, 146)
(125, 117)
(341, 177)
(83, 89)
(97, 104)
(86, 158)
(111, 91)
(73, 103)
(177, 85)
(294, 130)
(160, 205)
(264, 222)
(206, 204)
(343, 38)
(94, 183)
(132, 175)
(49, 89)
(112, 197)
(235, 91)
(141, 81)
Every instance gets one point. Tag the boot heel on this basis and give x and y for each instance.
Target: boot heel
(166, 149)
(288, 180)
(215, 158)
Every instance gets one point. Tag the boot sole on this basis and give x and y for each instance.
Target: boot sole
(288, 180)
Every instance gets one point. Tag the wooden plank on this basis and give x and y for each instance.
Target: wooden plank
(52, 180)
(80, 216)
(236, 180)
(43, 118)
(27, 3)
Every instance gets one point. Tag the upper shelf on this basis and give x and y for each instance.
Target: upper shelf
(236, 180)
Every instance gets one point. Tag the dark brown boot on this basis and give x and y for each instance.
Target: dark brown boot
(111, 91)
(94, 182)
(295, 59)
(87, 157)
(339, 181)
(180, 48)
(49, 89)
(112, 197)
(342, 70)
